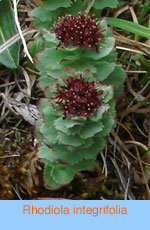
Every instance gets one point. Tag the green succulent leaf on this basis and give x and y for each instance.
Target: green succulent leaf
(67, 126)
(104, 69)
(52, 9)
(39, 122)
(83, 165)
(91, 152)
(108, 123)
(105, 3)
(49, 115)
(53, 4)
(103, 25)
(49, 13)
(42, 104)
(68, 155)
(112, 57)
(38, 13)
(74, 9)
(70, 123)
(70, 140)
(45, 20)
(50, 38)
(53, 59)
(111, 111)
(50, 91)
(83, 64)
(46, 153)
(60, 152)
(45, 81)
(105, 30)
(49, 181)
(116, 78)
(107, 94)
(62, 174)
(36, 46)
(90, 129)
(118, 92)
(49, 134)
(101, 110)
(105, 48)
(60, 126)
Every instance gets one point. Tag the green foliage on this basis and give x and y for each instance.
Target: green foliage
(52, 9)
(105, 3)
(53, 5)
(10, 56)
(131, 27)
(144, 11)
(68, 144)
(73, 140)
(52, 62)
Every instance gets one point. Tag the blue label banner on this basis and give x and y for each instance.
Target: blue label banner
(70, 214)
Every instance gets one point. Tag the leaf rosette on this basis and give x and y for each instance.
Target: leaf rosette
(78, 111)
(99, 59)
(76, 116)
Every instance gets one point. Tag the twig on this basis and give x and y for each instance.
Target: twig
(8, 156)
(105, 169)
(131, 50)
(137, 143)
(89, 6)
(127, 188)
(122, 146)
(143, 173)
(140, 162)
(20, 31)
(29, 112)
(123, 181)
(17, 193)
(149, 133)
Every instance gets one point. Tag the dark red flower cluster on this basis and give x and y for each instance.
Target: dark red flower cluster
(78, 97)
(80, 30)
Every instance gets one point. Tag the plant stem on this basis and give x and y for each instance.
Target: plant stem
(89, 6)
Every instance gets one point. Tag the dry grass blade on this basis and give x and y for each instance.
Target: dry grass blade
(14, 39)
(139, 158)
(20, 31)
(28, 112)
(89, 6)
(125, 184)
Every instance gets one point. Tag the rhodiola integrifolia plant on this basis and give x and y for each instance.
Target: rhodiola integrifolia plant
(80, 81)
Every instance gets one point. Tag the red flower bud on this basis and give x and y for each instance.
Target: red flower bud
(80, 30)
(78, 97)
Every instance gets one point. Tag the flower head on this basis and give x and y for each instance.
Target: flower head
(78, 97)
(80, 30)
